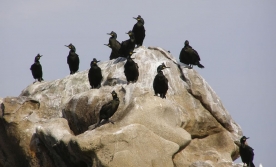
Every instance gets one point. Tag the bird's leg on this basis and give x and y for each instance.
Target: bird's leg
(110, 121)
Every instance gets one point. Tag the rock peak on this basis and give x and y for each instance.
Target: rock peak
(188, 128)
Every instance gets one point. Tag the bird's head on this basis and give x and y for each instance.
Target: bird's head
(139, 19)
(71, 47)
(94, 62)
(37, 57)
(114, 94)
(186, 42)
(161, 67)
(243, 139)
(129, 32)
(113, 34)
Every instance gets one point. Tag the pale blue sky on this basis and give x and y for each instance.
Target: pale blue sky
(235, 39)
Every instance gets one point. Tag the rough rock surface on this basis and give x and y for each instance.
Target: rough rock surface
(48, 124)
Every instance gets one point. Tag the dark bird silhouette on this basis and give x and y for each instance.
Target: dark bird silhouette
(246, 152)
(160, 82)
(131, 69)
(189, 56)
(73, 59)
(127, 45)
(36, 69)
(95, 74)
(139, 31)
(109, 109)
(114, 45)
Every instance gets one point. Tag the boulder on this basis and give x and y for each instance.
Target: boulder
(52, 123)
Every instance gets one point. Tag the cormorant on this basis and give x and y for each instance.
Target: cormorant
(189, 56)
(114, 45)
(73, 59)
(246, 152)
(95, 74)
(160, 82)
(139, 31)
(127, 45)
(131, 69)
(36, 69)
(109, 109)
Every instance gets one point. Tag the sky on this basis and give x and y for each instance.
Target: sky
(235, 39)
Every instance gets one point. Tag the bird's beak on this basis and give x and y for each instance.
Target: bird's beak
(66, 46)
(106, 44)
(135, 18)
(109, 34)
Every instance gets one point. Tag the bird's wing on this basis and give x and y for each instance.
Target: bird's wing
(197, 55)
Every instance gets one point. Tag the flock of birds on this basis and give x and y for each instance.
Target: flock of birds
(188, 56)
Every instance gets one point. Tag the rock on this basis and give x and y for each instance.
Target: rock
(48, 124)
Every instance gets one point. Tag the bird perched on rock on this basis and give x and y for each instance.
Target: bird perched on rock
(131, 69)
(109, 109)
(127, 45)
(246, 152)
(36, 69)
(73, 59)
(160, 82)
(95, 74)
(139, 31)
(189, 56)
(114, 45)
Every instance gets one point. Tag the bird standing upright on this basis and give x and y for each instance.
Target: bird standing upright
(95, 74)
(127, 45)
(109, 109)
(189, 56)
(160, 82)
(246, 152)
(73, 59)
(131, 69)
(114, 45)
(139, 31)
(36, 69)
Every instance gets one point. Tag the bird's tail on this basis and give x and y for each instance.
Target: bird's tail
(200, 65)
(251, 164)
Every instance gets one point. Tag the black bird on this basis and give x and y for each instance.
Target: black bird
(36, 69)
(73, 59)
(127, 45)
(189, 56)
(160, 82)
(95, 74)
(131, 69)
(109, 108)
(246, 152)
(114, 45)
(139, 31)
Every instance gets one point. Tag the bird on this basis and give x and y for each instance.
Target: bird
(246, 152)
(189, 56)
(36, 69)
(131, 69)
(73, 59)
(127, 45)
(160, 82)
(139, 31)
(95, 74)
(114, 45)
(109, 109)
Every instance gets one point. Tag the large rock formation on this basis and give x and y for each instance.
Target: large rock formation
(48, 124)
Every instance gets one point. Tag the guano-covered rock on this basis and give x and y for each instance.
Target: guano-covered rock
(48, 124)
